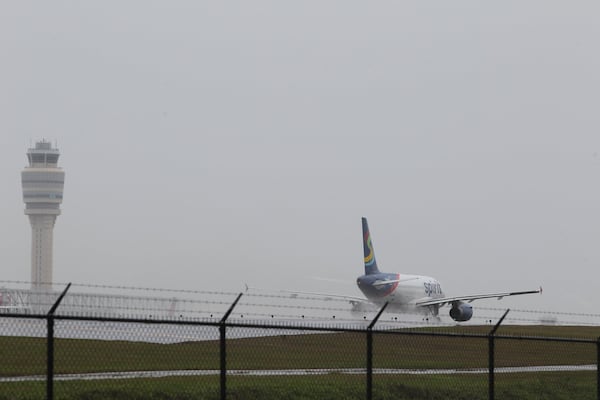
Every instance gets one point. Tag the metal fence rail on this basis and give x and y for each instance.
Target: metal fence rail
(234, 350)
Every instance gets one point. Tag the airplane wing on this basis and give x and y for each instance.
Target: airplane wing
(470, 298)
(325, 296)
(329, 296)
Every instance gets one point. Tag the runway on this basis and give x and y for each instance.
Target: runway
(171, 331)
(298, 372)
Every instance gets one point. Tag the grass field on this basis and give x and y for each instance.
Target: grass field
(576, 385)
(26, 356)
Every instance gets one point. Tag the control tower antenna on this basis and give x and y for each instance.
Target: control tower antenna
(43, 183)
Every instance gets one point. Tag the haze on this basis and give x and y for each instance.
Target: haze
(213, 144)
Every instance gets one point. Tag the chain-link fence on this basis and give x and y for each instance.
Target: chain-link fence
(82, 356)
(118, 358)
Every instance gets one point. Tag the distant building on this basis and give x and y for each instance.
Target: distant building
(43, 183)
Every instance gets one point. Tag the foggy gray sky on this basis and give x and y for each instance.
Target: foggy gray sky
(212, 144)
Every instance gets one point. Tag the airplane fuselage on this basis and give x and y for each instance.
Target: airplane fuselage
(401, 291)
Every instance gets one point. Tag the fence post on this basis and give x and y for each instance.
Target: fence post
(598, 368)
(491, 351)
(50, 346)
(370, 353)
(223, 352)
(491, 361)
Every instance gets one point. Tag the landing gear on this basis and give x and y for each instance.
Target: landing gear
(434, 316)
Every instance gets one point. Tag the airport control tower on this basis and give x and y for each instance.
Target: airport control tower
(43, 183)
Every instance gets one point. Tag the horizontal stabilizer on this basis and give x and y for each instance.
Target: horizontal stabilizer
(387, 282)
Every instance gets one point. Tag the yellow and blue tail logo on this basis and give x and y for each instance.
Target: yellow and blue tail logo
(369, 253)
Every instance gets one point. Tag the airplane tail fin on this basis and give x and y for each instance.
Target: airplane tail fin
(369, 253)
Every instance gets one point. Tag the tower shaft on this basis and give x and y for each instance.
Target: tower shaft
(42, 227)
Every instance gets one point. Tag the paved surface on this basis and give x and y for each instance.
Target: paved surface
(298, 372)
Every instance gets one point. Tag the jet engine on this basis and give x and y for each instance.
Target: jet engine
(461, 311)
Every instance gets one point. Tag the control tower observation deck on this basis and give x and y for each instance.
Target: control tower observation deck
(43, 183)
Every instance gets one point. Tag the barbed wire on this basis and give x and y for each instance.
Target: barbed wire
(122, 287)
(552, 312)
(264, 300)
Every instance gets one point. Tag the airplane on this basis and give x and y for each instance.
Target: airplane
(414, 293)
